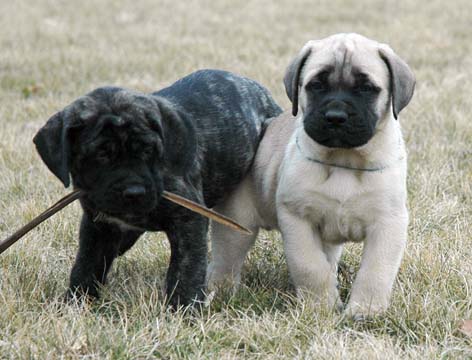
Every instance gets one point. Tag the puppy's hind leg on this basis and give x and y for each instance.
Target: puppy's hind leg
(228, 247)
(228, 252)
(333, 254)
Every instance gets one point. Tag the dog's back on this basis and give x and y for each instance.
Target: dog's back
(227, 111)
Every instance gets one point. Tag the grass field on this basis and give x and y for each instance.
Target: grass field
(53, 51)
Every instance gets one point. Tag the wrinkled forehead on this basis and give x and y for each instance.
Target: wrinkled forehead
(117, 119)
(110, 100)
(346, 58)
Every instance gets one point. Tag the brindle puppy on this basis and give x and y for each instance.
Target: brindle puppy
(196, 138)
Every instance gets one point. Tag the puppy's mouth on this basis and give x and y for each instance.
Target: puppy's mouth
(126, 211)
(124, 215)
(334, 138)
(100, 216)
(338, 137)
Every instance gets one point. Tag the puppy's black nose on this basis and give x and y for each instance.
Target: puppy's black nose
(134, 192)
(336, 117)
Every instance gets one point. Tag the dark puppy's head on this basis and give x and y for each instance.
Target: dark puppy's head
(117, 144)
(346, 85)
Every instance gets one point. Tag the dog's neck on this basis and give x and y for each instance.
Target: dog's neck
(383, 150)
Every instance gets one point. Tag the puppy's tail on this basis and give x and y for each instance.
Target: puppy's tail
(274, 110)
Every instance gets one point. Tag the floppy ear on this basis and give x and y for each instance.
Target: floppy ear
(292, 77)
(402, 80)
(53, 140)
(53, 146)
(178, 137)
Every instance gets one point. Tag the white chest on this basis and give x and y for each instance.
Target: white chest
(340, 204)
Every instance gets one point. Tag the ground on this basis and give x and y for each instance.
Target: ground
(54, 51)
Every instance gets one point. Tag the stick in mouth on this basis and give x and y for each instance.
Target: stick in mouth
(74, 195)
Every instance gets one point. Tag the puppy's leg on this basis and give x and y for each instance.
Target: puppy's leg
(186, 274)
(228, 247)
(228, 252)
(382, 254)
(98, 247)
(307, 262)
(128, 239)
(333, 254)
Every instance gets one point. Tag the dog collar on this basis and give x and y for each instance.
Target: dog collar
(372, 169)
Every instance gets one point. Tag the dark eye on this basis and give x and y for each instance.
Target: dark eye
(366, 87)
(148, 151)
(105, 154)
(103, 157)
(316, 85)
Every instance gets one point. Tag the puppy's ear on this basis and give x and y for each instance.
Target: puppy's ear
(292, 76)
(178, 137)
(402, 79)
(53, 146)
(53, 140)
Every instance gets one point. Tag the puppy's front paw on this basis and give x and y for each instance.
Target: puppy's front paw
(363, 311)
(219, 278)
(327, 297)
(183, 299)
(79, 296)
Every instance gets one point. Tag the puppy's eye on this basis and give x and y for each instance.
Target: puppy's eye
(316, 85)
(366, 87)
(148, 151)
(103, 157)
(105, 154)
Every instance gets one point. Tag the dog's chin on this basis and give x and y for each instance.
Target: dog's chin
(335, 138)
(341, 143)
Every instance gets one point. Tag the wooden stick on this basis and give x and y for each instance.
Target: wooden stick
(74, 195)
(66, 200)
(213, 215)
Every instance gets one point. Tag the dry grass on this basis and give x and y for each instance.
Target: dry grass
(54, 51)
